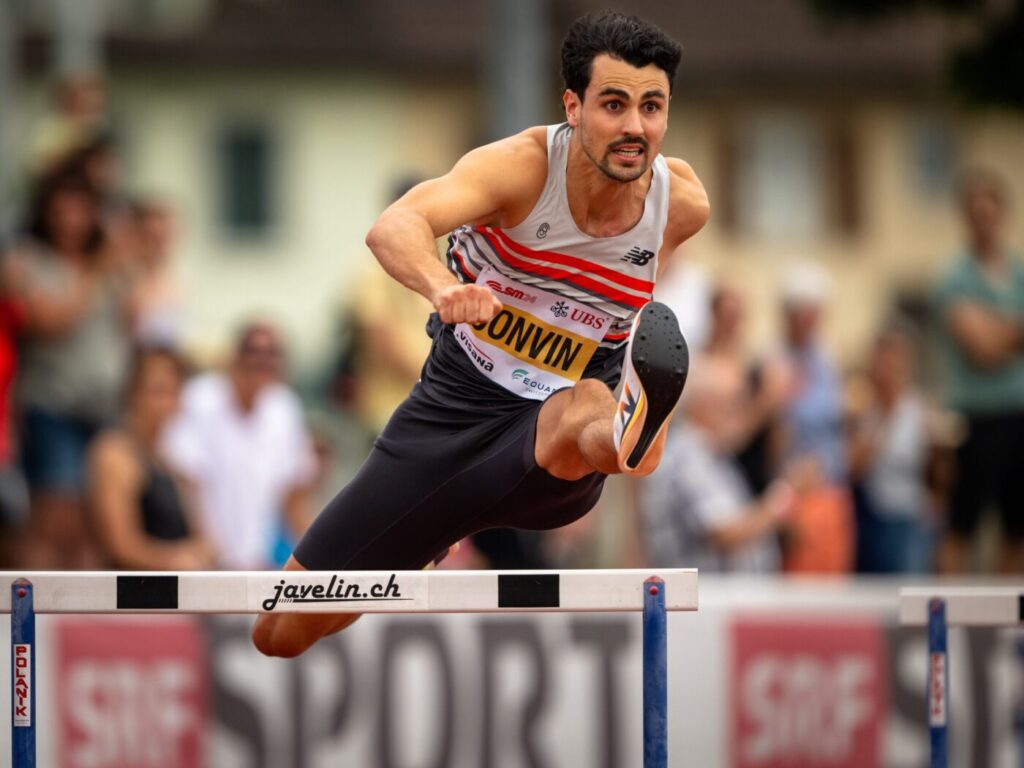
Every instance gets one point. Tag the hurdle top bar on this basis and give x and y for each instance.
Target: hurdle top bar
(965, 606)
(350, 591)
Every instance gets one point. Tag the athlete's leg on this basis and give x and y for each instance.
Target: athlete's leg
(574, 432)
(584, 429)
(411, 500)
(289, 634)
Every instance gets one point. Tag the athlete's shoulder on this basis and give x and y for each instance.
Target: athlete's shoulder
(511, 173)
(689, 208)
(525, 152)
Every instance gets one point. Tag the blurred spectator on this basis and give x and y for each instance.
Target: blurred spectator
(78, 113)
(697, 508)
(13, 491)
(73, 358)
(759, 390)
(391, 342)
(813, 414)
(981, 309)
(99, 163)
(142, 514)
(684, 286)
(889, 457)
(156, 298)
(97, 159)
(391, 346)
(821, 536)
(241, 439)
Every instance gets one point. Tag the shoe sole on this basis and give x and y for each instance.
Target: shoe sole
(661, 360)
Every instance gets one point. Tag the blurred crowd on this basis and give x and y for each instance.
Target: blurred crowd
(782, 462)
(115, 452)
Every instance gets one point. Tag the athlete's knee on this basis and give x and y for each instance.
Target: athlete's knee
(562, 459)
(592, 391)
(270, 640)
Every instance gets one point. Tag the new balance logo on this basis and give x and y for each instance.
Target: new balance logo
(638, 256)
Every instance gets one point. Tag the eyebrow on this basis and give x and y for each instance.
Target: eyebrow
(609, 91)
(655, 93)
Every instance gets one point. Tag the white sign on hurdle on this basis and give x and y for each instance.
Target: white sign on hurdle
(652, 592)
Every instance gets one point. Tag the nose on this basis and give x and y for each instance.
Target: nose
(632, 125)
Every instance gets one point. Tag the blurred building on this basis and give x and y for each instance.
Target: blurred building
(277, 128)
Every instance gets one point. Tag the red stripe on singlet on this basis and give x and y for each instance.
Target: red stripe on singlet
(462, 263)
(626, 281)
(582, 281)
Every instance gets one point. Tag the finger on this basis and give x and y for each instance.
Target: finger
(482, 305)
(496, 305)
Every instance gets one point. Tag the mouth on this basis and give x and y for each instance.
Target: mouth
(628, 151)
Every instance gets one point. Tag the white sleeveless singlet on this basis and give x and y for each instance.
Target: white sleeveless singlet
(564, 292)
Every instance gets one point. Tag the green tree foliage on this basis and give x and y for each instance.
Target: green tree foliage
(989, 70)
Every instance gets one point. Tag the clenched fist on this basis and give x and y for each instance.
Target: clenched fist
(466, 304)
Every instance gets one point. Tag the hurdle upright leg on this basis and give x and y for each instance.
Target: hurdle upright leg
(23, 676)
(938, 684)
(655, 643)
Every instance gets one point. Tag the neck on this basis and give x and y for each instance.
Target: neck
(245, 397)
(987, 251)
(722, 343)
(69, 249)
(888, 396)
(602, 206)
(146, 431)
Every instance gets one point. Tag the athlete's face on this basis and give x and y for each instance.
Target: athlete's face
(621, 120)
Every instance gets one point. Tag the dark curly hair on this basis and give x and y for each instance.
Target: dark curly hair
(47, 189)
(627, 38)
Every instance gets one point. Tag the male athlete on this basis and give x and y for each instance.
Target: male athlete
(556, 235)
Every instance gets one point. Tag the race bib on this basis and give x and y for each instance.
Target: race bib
(538, 343)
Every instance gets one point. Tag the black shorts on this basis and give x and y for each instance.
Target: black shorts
(457, 457)
(988, 471)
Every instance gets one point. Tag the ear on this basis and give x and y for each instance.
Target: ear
(572, 107)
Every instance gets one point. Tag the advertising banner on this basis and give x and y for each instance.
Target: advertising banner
(768, 674)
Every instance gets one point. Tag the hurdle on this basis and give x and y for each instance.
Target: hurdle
(942, 607)
(652, 592)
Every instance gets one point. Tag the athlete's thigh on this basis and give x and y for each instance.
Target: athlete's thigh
(540, 501)
(377, 512)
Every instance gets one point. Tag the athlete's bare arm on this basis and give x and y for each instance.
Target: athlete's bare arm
(494, 184)
(688, 209)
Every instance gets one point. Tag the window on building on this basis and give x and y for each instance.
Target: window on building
(933, 154)
(781, 184)
(787, 175)
(246, 179)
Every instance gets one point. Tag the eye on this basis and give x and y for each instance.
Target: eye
(613, 106)
(652, 106)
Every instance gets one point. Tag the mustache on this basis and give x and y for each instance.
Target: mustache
(628, 140)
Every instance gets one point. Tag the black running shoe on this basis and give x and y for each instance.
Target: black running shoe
(654, 373)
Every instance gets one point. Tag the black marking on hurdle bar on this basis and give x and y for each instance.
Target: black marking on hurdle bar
(539, 590)
(147, 592)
